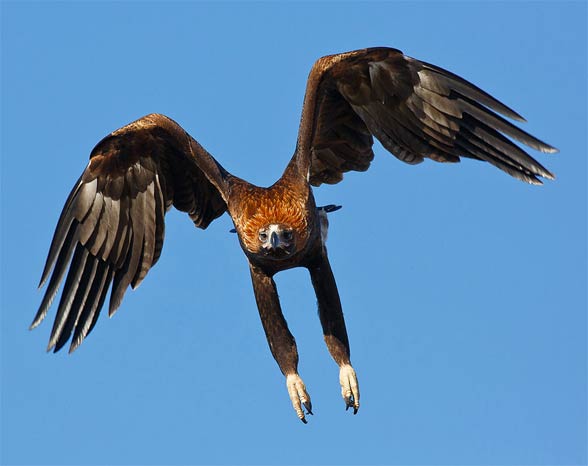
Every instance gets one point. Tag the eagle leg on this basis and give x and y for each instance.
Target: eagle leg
(280, 340)
(334, 331)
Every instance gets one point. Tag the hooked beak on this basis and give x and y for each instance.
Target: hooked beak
(274, 240)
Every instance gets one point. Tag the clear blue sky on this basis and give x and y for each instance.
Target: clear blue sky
(466, 304)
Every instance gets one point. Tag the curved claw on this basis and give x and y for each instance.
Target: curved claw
(308, 406)
(298, 395)
(349, 387)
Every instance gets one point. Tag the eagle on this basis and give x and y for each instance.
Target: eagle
(111, 230)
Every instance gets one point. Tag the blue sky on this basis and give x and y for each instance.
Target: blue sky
(465, 304)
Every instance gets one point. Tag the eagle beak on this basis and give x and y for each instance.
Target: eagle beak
(274, 240)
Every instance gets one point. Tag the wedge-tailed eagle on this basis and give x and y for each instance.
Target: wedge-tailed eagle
(111, 230)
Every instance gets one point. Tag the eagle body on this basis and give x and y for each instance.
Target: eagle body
(111, 230)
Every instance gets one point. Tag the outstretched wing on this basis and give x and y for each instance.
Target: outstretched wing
(111, 228)
(416, 110)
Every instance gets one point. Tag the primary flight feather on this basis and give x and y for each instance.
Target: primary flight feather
(111, 230)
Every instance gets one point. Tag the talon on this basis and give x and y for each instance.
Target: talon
(350, 403)
(349, 387)
(298, 395)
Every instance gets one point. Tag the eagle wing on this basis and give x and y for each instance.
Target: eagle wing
(111, 229)
(416, 110)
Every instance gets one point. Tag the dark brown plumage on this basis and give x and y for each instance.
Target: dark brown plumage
(111, 230)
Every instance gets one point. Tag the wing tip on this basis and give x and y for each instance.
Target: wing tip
(40, 316)
(534, 181)
(75, 344)
(549, 149)
(42, 281)
(114, 305)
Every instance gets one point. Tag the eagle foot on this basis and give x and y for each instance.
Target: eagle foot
(349, 387)
(299, 396)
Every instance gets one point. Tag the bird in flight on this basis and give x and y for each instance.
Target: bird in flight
(111, 230)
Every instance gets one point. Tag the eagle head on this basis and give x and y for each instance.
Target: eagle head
(273, 223)
(276, 240)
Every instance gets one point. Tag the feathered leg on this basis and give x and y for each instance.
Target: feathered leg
(281, 341)
(333, 323)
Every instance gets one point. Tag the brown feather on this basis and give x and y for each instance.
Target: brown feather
(253, 208)
(416, 110)
(113, 218)
(111, 230)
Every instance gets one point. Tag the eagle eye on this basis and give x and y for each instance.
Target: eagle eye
(263, 235)
(287, 235)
